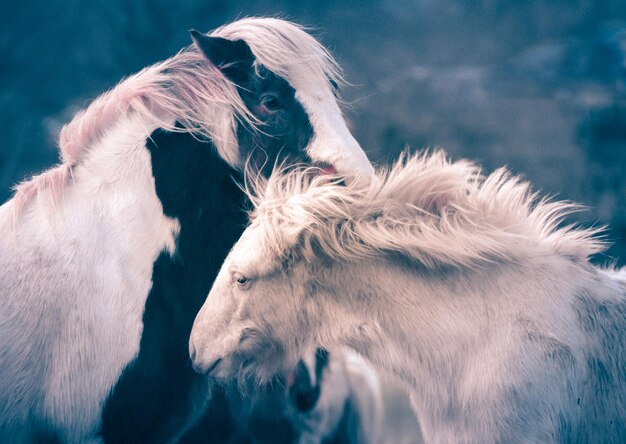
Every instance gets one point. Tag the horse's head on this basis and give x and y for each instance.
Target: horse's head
(286, 80)
(280, 293)
(261, 312)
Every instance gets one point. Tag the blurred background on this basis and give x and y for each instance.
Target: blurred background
(538, 85)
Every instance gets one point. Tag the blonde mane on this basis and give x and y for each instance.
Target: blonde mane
(425, 207)
(188, 90)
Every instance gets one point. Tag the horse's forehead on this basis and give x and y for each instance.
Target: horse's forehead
(332, 141)
(253, 251)
(314, 87)
(320, 105)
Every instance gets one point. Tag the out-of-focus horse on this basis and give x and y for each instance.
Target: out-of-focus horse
(330, 397)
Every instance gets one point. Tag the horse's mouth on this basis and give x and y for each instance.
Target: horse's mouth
(213, 366)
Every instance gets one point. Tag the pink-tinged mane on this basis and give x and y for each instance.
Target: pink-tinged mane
(188, 90)
(184, 89)
(427, 208)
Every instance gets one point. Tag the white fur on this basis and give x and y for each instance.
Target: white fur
(426, 207)
(80, 240)
(465, 287)
(74, 276)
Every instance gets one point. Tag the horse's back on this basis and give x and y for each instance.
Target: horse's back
(602, 316)
(585, 388)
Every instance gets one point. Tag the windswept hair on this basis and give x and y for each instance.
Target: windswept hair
(288, 50)
(425, 207)
(186, 93)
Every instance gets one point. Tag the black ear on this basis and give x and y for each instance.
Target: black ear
(233, 57)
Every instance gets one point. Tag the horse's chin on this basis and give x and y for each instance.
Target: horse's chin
(256, 359)
(246, 371)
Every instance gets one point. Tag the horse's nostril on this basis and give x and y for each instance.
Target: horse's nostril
(192, 352)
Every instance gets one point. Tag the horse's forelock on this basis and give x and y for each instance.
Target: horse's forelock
(288, 50)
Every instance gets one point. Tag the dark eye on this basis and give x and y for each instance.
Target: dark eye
(270, 102)
(240, 279)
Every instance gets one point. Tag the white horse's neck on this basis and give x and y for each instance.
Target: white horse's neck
(107, 216)
(437, 330)
(406, 322)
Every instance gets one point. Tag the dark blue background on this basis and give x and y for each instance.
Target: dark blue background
(539, 86)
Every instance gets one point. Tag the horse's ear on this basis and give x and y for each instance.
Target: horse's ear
(233, 57)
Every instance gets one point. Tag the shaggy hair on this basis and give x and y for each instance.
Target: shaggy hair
(189, 90)
(426, 207)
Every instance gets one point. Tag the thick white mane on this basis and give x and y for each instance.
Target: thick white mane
(189, 90)
(434, 211)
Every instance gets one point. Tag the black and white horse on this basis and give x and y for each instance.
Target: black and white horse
(106, 258)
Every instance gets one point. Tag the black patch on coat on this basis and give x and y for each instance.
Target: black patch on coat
(303, 394)
(47, 436)
(158, 393)
(232, 57)
(218, 424)
(285, 130)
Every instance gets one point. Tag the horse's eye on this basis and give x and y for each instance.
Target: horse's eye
(270, 102)
(240, 279)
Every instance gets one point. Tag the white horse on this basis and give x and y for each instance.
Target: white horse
(106, 259)
(465, 287)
